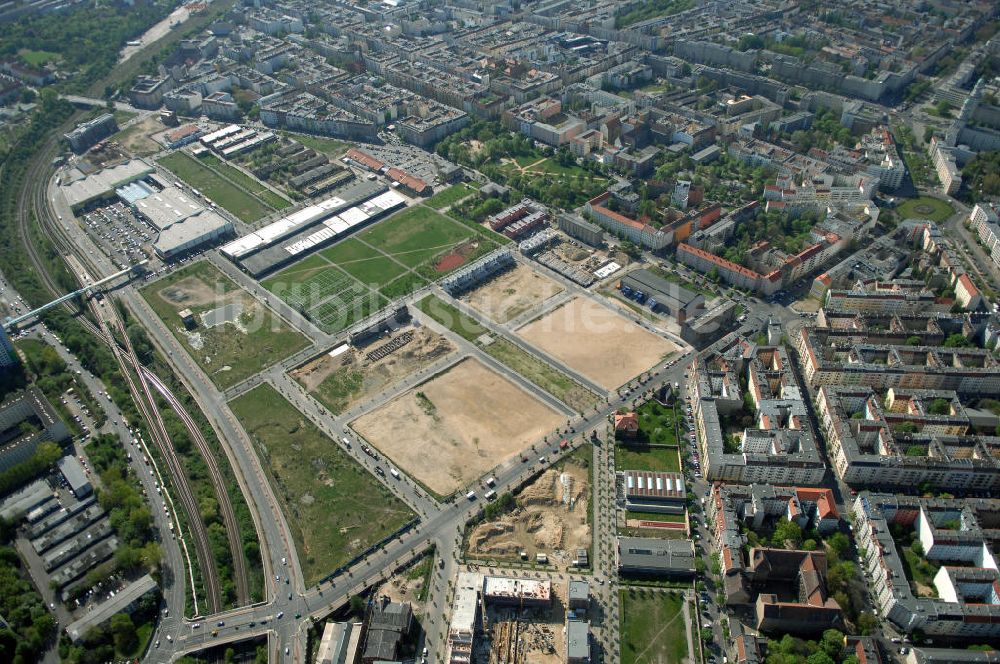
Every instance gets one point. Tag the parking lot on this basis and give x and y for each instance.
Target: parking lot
(121, 235)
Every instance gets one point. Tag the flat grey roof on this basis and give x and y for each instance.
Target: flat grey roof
(664, 291)
(105, 610)
(73, 471)
(652, 553)
(577, 639)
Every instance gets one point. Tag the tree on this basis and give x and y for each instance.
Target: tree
(785, 531)
(123, 632)
(819, 658)
(957, 340)
(357, 604)
(839, 545)
(832, 643)
(867, 622)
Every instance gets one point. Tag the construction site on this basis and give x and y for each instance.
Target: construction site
(549, 522)
(347, 375)
(503, 620)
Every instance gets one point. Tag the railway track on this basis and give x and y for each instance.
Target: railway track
(203, 547)
(31, 202)
(225, 505)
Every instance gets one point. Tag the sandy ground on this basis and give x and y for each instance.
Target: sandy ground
(512, 293)
(529, 636)
(605, 347)
(544, 521)
(136, 139)
(326, 376)
(455, 427)
(192, 292)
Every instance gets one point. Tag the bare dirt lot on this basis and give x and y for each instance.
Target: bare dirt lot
(137, 138)
(550, 518)
(348, 379)
(456, 426)
(512, 293)
(602, 345)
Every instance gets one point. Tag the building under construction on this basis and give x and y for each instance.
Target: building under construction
(501, 620)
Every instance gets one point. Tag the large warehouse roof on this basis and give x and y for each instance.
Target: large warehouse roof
(203, 226)
(167, 207)
(82, 189)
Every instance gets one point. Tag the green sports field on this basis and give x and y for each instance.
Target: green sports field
(354, 278)
(416, 235)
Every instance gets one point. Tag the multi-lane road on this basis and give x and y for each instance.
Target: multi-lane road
(285, 614)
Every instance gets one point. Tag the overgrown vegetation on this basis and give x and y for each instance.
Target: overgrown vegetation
(981, 177)
(29, 625)
(643, 11)
(122, 638)
(87, 39)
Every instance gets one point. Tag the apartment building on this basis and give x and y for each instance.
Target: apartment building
(946, 166)
(844, 357)
(956, 536)
(779, 446)
(305, 112)
(905, 438)
(86, 134)
(616, 223)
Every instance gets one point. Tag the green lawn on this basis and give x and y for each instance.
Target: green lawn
(262, 339)
(327, 146)
(402, 286)
(247, 207)
(925, 207)
(656, 459)
(415, 235)
(38, 58)
(335, 509)
(364, 263)
(451, 318)
(121, 117)
(652, 627)
(248, 182)
(657, 424)
(449, 196)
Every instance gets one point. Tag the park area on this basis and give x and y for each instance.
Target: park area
(343, 381)
(602, 345)
(456, 426)
(925, 207)
(654, 448)
(335, 509)
(231, 335)
(216, 187)
(512, 293)
(654, 627)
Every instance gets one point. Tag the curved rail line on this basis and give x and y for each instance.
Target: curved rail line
(31, 200)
